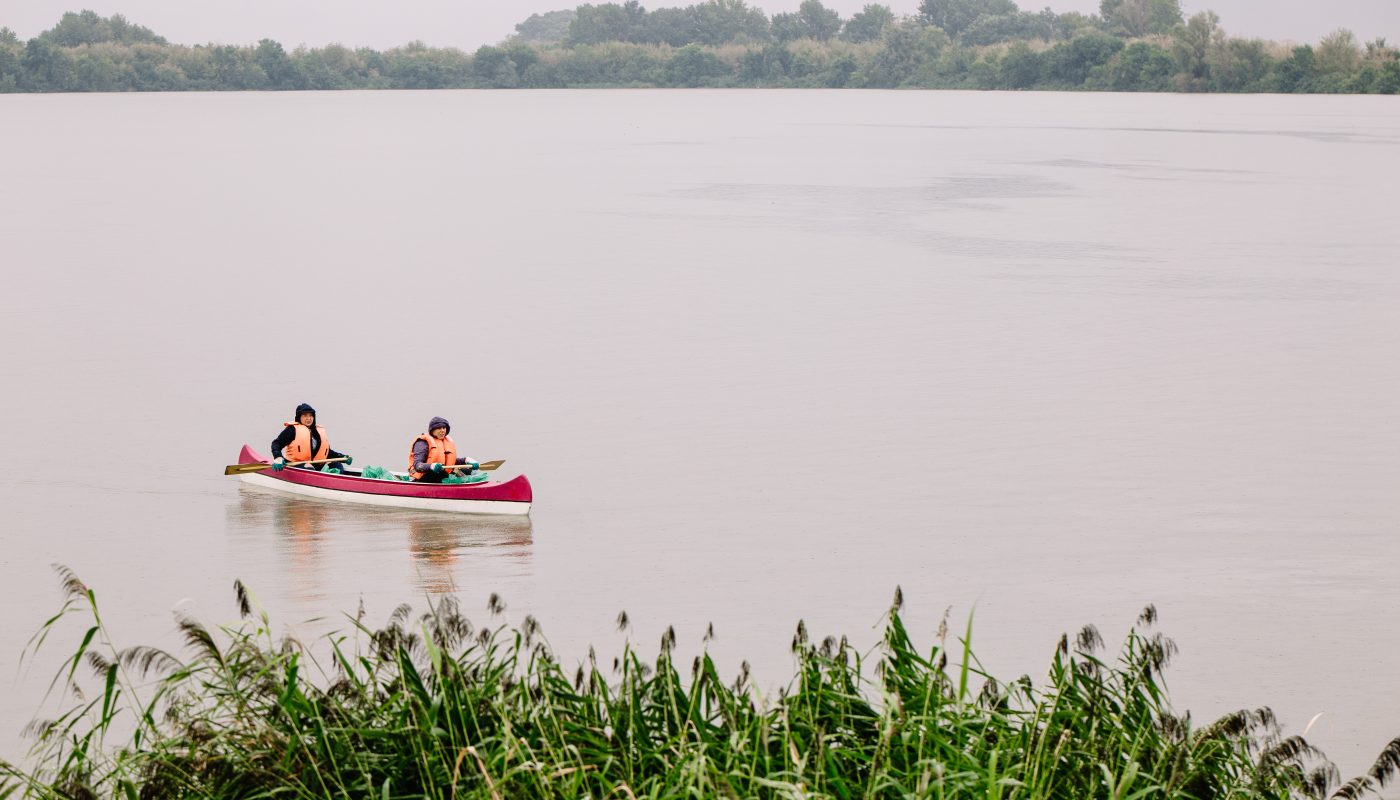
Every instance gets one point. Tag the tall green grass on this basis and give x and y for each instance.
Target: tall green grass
(431, 706)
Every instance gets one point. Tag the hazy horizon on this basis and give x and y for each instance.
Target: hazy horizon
(444, 23)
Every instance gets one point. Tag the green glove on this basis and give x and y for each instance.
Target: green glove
(277, 465)
(437, 469)
(348, 461)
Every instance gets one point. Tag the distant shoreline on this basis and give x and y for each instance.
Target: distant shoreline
(1132, 46)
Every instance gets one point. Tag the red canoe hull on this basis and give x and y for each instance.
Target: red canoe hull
(513, 496)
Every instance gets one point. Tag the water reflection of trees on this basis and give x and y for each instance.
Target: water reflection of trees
(310, 535)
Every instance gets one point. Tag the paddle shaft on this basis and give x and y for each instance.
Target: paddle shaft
(238, 469)
(485, 466)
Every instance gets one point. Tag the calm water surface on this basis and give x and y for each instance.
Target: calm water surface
(764, 356)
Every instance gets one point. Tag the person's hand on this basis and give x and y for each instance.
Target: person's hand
(476, 465)
(278, 464)
(348, 461)
(437, 469)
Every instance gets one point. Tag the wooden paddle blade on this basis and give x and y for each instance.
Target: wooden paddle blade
(240, 469)
(485, 466)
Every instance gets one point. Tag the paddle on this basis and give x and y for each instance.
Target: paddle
(259, 466)
(486, 466)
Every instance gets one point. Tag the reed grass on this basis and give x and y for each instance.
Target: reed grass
(431, 706)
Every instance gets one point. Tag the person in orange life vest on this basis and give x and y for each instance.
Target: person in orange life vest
(434, 451)
(304, 440)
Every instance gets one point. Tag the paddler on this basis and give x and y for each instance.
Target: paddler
(304, 440)
(433, 452)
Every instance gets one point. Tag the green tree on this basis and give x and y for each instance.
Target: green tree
(607, 22)
(722, 21)
(144, 62)
(507, 77)
(1338, 52)
(522, 56)
(1193, 42)
(1375, 49)
(868, 24)
(908, 48)
(196, 65)
(87, 27)
(551, 26)
(1380, 68)
(236, 68)
(281, 71)
(954, 16)
(330, 67)
(46, 68)
(1388, 79)
(693, 66)
(1070, 24)
(1238, 65)
(10, 52)
(97, 71)
(541, 76)
(673, 26)
(9, 70)
(1298, 72)
(983, 73)
(1069, 63)
(950, 70)
(811, 21)
(614, 64)
(841, 72)
(1141, 17)
(1021, 26)
(786, 27)
(416, 66)
(765, 66)
(1139, 67)
(167, 77)
(1020, 67)
(820, 22)
(489, 62)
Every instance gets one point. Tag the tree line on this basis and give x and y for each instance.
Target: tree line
(1130, 45)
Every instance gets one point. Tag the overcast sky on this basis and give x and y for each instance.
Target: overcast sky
(471, 23)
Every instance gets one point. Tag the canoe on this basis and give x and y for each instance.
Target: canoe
(491, 497)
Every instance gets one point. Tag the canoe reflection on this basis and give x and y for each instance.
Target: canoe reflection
(316, 536)
(437, 543)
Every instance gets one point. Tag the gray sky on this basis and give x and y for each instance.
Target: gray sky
(470, 23)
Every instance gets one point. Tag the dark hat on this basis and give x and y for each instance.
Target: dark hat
(438, 422)
(304, 408)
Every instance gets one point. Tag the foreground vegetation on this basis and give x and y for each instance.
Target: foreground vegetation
(432, 707)
(1130, 45)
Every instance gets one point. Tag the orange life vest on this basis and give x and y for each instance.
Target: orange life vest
(300, 448)
(440, 451)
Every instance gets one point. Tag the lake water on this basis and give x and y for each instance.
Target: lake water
(764, 355)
